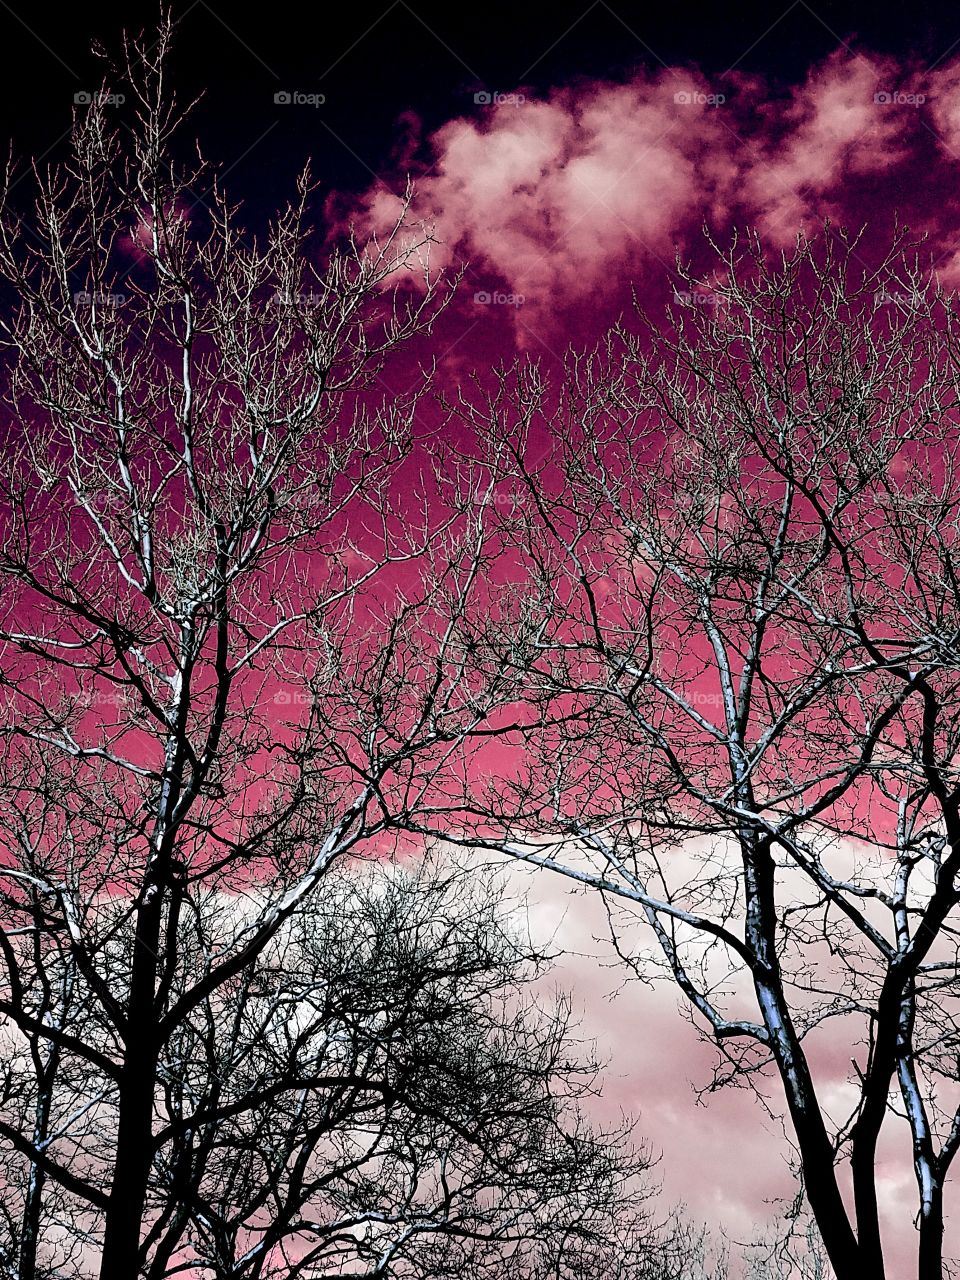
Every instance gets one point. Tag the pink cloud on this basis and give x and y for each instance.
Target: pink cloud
(727, 1160)
(551, 195)
(565, 198)
(832, 127)
(944, 88)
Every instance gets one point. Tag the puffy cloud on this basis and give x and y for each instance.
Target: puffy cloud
(563, 198)
(553, 196)
(728, 1160)
(944, 88)
(844, 121)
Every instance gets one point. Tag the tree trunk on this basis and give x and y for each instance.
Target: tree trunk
(128, 1193)
(930, 1254)
(817, 1155)
(33, 1207)
(30, 1230)
(816, 1151)
(864, 1175)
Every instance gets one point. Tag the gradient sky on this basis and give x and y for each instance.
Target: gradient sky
(622, 129)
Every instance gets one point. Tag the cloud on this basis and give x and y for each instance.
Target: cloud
(837, 125)
(564, 198)
(552, 195)
(944, 89)
(727, 1160)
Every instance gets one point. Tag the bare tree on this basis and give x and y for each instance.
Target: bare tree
(231, 588)
(793, 1252)
(737, 608)
(247, 629)
(448, 1139)
(382, 1091)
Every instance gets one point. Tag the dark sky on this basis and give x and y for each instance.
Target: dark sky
(375, 61)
